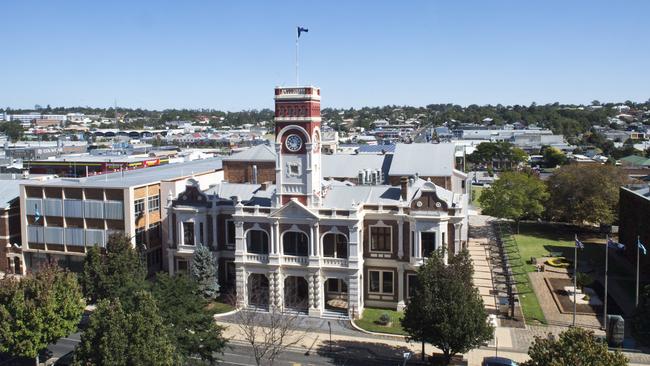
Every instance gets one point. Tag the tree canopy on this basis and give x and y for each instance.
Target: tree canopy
(574, 347)
(204, 272)
(504, 153)
(515, 196)
(117, 337)
(192, 326)
(585, 194)
(118, 273)
(38, 310)
(447, 310)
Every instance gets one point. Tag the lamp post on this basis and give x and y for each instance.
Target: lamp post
(329, 325)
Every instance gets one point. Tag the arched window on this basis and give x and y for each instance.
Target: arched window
(257, 241)
(335, 246)
(295, 243)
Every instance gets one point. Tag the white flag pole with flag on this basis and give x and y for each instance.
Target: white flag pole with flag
(639, 248)
(610, 244)
(575, 275)
(299, 31)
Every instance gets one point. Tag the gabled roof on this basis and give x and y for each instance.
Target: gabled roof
(256, 153)
(636, 160)
(427, 160)
(293, 209)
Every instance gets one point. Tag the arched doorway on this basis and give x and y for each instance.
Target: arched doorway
(336, 295)
(258, 290)
(296, 293)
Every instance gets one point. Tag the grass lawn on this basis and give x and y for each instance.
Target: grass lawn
(476, 193)
(538, 240)
(218, 307)
(370, 315)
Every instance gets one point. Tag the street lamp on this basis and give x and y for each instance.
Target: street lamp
(329, 325)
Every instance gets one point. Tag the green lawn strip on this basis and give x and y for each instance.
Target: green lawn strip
(371, 315)
(218, 307)
(476, 193)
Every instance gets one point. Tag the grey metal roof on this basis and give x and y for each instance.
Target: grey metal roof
(137, 177)
(251, 194)
(256, 153)
(9, 191)
(428, 160)
(343, 197)
(346, 166)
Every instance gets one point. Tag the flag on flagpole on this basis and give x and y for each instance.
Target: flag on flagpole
(301, 30)
(579, 244)
(614, 245)
(641, 247)
(37, 214)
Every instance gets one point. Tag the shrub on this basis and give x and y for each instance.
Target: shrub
(384, 319)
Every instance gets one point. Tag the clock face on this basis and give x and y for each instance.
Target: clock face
(293, 143)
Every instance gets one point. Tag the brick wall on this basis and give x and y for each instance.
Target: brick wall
(242, 171)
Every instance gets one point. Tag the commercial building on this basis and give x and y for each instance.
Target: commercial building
(634, 216)
(324, 246)
(61, 218)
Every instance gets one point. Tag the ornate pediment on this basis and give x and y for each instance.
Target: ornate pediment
(293, 210)
(427, 199)
(192, 196)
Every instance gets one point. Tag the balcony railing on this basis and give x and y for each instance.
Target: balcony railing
(334, 262)
(296, 260)
(257, 258)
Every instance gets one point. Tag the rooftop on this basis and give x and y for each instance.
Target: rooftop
(137, 177)
(261, 152)
(427, 160)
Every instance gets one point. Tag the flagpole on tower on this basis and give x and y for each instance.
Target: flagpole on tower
(297, 38)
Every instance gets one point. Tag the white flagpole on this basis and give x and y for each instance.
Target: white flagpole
(606, 272)
(575, 277)
(638, 254)
(297, 79)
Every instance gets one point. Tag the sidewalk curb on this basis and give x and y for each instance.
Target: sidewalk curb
(221, 315)
(395, 336)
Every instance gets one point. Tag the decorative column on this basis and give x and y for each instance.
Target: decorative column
(458, 240)
(400, 288)
(275, 288)
(215, 227)
(241, 284)
(400, 240)
(355, 305)
(240, 240)
(315, 308)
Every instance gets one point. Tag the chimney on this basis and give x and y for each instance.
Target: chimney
(404, 183)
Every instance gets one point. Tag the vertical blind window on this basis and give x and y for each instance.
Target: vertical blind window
(73, 208)
(34, 205)
(114, 210)
(93, 209)
(52, 207)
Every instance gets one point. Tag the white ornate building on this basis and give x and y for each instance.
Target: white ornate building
(321, 245)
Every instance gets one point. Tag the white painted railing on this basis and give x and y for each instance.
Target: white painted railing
(334, 262)
(294, 259)
(257, 258)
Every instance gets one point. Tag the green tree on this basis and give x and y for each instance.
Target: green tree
(641, 323)
(192, 326)
(574, 347)
(13, 129)
(119, 273)
(553, 157)
(38, 310)
(447, 310)
(115, 337)
(515, 196)
(585, 193)
(204, 272)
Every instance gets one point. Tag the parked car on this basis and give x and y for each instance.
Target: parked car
(498, 361)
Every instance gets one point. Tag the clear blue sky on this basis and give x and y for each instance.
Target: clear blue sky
(230, 54)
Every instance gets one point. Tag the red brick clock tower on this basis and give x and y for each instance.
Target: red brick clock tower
(297, 144)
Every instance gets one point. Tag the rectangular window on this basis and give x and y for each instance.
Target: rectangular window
(230, 233)
(202, 242)
(155, 234)
(188, 233)
(139, 236)
(380, 238)
(154, 203)
(380, 282)
(139, 206)
(428, 241)
(412, 283)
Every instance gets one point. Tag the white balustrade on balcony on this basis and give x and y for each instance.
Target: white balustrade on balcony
(257, 258)
(334, 262)
(294, 259)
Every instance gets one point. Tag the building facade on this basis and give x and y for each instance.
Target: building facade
(315, 245)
